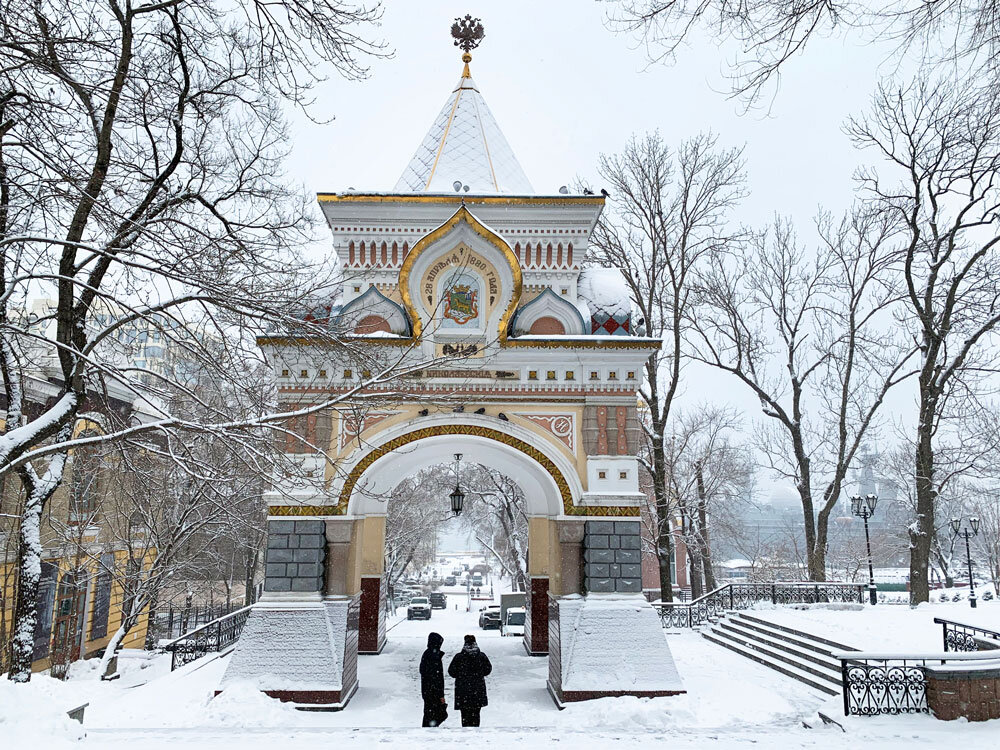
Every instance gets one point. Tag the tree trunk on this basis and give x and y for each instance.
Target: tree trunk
(664, 551)
(29, 574)
(922, 528)
(704, 545)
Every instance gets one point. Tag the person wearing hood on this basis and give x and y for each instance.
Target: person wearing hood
(470, 667)
(432, 682)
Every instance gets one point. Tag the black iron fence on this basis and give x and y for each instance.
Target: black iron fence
(883, 686)
(210, 637)
(173, 622)
(890, 684)
(733, 596)
(958, 636)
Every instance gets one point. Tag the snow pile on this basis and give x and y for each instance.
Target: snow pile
(605, 290)
(614, 642)
(36, 710)
(291, 647)
(243, 705)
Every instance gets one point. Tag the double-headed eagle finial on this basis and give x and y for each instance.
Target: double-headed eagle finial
(468, 33)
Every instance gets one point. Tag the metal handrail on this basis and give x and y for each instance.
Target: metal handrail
(208, 638)
(733, 596)
(959, 637)
(879, 683)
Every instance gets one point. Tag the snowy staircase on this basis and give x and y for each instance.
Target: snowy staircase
(796, 654)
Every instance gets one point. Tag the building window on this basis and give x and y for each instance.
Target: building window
(304, 374)
(594, 375)
(623, 475)
(550, 375)
(631, 375)
(322, 373)
(102, 598)
(532, 374)
(284, 373)
(347, 373)
(84, 484)
(612, 375)
(602, 474)
(366, 373)
(570, 375)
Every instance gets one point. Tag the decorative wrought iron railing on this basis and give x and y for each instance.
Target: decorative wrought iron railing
(210, 637)
(883, 683)
(735, 596)
(958, 636)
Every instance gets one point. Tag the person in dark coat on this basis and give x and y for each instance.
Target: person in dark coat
(432, 682)
(469, 667)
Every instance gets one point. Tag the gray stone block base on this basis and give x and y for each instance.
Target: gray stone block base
(612, 557)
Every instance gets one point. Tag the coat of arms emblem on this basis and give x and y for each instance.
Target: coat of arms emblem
(461, 304)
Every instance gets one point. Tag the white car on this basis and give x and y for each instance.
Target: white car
(513, 623)
(419, 608)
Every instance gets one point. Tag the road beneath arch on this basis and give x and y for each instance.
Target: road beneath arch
(390, 682)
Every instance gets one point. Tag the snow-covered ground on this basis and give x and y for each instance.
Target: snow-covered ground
(731, 702)
(883, 627)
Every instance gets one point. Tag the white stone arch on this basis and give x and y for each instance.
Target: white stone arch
(543, 494)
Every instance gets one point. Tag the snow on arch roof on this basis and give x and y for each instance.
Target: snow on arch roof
(464, 144)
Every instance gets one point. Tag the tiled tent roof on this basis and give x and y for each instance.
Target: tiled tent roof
(464, 144)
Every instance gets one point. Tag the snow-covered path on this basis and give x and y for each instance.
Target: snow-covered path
(731, 703)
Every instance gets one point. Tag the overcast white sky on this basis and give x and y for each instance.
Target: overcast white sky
(565, 89)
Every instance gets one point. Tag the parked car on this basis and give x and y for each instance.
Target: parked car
(438, 600)
(489, 617)
(419, 608)
(450, 581)
(514, 624)
(477, 580)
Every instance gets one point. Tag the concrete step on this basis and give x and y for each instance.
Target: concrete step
(825, 666)
(774, 655)
(832, 645)
(786, 669)
(801, 641)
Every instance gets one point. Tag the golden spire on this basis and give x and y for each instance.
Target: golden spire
(466, 58)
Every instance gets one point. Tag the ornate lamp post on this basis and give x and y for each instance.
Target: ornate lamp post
(968, 532)
(864, 508)
(457, 496)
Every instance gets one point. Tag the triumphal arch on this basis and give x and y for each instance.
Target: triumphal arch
(521, 359)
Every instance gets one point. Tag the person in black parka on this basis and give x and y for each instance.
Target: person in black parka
(469, 667)
(432, 682)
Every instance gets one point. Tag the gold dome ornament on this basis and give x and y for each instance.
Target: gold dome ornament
(466, 58)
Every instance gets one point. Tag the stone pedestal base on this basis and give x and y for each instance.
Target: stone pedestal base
(607, 645)
(299, 652)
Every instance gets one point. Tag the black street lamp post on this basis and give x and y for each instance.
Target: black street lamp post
(969, 532)
(864, 508)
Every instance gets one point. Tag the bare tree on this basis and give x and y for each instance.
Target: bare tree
(941, 143)
(498, 518)
(140, 153)
(415, 512)
(808, 334)
(709, 469)
(769, 33)
(668, 213)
